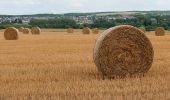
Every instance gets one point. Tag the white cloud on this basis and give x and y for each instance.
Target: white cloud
(18, 2)
(64, 6)
(76, 3)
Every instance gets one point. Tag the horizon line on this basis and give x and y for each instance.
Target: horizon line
(81, 12)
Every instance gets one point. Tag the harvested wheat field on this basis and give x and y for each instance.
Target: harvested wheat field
(59, 66)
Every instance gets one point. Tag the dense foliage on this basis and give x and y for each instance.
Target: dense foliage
(148, 21)
(53, 23)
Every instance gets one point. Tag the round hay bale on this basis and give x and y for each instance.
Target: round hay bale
(70, 30)
(21, 29)
(142, 29)
(160, 31)
(11, 33)
(123, 50)
(86, 30)
(35, 30)
(26, 30)
(95, 31)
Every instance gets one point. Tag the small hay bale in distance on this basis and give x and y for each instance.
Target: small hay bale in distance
(70, 30)
(160, 31)
(86, 30)
(95, 31)
(21, 29)
(122, 51)
(11, 33)
(142, 29)
(35, 31)
(26, 30)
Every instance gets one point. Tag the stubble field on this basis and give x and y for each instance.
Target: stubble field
(59, 66)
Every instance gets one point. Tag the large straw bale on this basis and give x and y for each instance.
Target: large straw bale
(160, 31)
(26, 30)
(123, 50)
(36, 31)
(11, 33)
(86, 30)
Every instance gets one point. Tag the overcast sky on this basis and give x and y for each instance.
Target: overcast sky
(18, 7)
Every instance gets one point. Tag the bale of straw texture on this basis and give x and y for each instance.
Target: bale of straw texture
(159, 31)
(11, 33)
(26, 30)
(122, 51)
(86, 30)
(70, 30)
(21, 29)
(95, 31)
(35, 30)
(142, 29)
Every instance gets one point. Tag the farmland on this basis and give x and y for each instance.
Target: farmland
(58, 65)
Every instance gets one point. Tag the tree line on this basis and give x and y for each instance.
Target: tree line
(149, 22)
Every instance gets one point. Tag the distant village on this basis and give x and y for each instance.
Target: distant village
(77, 19)
(149, 20)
